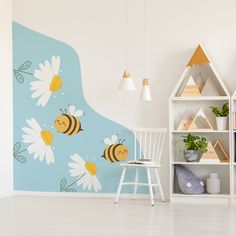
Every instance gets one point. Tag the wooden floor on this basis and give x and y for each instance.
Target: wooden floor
(51, 216)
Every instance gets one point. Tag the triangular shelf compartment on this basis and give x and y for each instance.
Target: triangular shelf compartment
(210, 156)
(200, 66)
(221, 152)
(200, 122)
(190, 89)
(185, 122)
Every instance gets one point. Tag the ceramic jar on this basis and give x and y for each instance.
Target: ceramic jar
(213, 184)
(221, 123)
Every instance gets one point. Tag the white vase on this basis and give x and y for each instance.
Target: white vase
(221, 123)
(213, 184)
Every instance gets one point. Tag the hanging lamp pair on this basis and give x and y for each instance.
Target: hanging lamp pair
(127, 83)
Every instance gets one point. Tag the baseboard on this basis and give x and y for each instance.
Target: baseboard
(8, 194)
(87, 195)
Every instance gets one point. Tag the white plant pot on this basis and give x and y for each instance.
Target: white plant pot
(221, 123)
(213, 184)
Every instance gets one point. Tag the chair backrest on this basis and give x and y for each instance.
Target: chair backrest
(148, 143)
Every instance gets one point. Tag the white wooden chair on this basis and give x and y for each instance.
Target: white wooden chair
(151, 142)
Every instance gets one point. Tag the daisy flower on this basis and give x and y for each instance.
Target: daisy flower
(40, 141)
(49, 81)
(86, 173)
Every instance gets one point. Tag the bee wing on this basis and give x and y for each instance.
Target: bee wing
(114, 138)
(107, 141)
(78, 113)
(72, 110)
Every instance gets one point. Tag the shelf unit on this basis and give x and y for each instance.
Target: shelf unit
(233, 150)
(178, 106)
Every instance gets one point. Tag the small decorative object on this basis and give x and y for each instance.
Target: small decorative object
(221, 116)
(193, 144)
(145, 94)
(210, 88)
(185, 122)
(200, 122)
(210, 156)
(190, 89)
(221, 152)
(187, 181)
(127, 83)
(213, 184)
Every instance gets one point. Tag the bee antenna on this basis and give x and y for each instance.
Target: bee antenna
(123, 141)
(120, 140)
(61, 110)
(65, 111)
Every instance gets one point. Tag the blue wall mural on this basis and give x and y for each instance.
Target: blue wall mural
(60, 143)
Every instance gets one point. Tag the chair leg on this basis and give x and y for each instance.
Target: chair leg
(120, 184)
(136, 182)
(150, 185)
(159, 185)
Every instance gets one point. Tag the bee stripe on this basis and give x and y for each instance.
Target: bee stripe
(108, 156)
(70, 123)
(75, 125)
(113, 151)
(78, 126)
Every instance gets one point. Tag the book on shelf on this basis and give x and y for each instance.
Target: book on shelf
(142, 162)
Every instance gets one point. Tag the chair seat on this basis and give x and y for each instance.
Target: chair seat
(139, 165)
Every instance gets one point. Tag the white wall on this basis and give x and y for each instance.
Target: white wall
(6, 137)
(96, 30)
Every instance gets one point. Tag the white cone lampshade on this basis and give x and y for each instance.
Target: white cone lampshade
(127, 83)
(145, 93)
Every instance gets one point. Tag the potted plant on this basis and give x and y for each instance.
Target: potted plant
(221, 116)
(193, 144)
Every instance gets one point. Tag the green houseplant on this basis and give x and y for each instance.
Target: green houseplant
(193, 144)
(221, 116)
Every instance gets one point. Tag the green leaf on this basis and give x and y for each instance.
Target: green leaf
(16, 147)
(71, 190)
(25, 65)
(20, 158)
(63, 184)
(19, 77)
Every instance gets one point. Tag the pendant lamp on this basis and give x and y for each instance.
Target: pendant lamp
(126, 83)
(145, 93)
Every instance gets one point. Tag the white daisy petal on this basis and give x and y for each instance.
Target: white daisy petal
(28, 130)
(96, 184)
(78, 159)
(43, 100)
(48, 69)
(34, 124)
(49, 155)
(55, 64)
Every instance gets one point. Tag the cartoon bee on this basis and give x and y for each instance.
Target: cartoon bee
(69, 123)
(115, 152)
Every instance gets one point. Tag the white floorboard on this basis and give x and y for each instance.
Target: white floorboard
(51, 216)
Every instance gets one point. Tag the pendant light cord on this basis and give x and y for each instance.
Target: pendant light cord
(145, 35)
(125, 34)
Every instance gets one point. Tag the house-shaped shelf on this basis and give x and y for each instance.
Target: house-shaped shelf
(200, 79)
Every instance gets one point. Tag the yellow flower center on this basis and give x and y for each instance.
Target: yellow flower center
(56, 83)
(91, 168)
(46, 136)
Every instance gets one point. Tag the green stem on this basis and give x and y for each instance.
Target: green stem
(25, 72)
(75, 181)
(21, 151)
